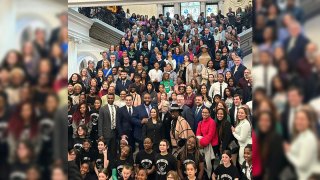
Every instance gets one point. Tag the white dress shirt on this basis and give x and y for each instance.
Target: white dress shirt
(149, 45)
(155, 75)
(259, 79)
(215, 89)
(148, 109)
(128, 107)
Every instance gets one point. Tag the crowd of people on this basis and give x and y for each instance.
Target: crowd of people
(286, 94)
(172, 100)
(33, 81)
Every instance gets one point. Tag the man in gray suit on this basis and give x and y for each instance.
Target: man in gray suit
(107, 125)
(186, 111)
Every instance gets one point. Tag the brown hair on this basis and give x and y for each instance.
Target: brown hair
(245, 111)
(311, 116)
(174, 174)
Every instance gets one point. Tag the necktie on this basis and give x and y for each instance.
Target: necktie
(265, 78)
(113, 122)
(148, 107)
(123, 83)
(197, 112)
(130, 112)
(221, 90)
(235, 70)
(184, 47)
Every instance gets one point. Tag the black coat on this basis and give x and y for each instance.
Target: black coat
(153, 131)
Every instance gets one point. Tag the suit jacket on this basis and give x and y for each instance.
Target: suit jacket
(124, 121)
(245, 90)
(120, 87)
(139, 113)
(208, 41)
(99, 65)
(239, 73)
(232, 119)
(188, 115)
(285, 123)
(197, 117)
(153, 45)
(104, 123)
(297, 51)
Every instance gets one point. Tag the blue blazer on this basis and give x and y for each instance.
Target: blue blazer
(120, 87)
(124, 121)
(197, 117)
(239, 74)
(139, 113)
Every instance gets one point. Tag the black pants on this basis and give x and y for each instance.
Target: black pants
(140, 142)
(112, 145)
(156, 86)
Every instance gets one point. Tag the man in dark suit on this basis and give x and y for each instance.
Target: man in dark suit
(107, 125)
(151, 43)
(237, 103)
(140, 117)
(295, 99)
(186, 111)
(123, 83)
(208, 40)
(295, 45)
(197, 111)
(237, 70)
(245, 86)
(124, 120)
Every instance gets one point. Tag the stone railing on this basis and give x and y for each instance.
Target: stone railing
(311, 8)
(246, 41)
(105, 16)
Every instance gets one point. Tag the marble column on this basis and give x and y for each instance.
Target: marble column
(8, 23)
(72, 57)
(203, 7)
(159, 9)
(177, 8)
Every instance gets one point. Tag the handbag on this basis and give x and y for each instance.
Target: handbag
(233, 145)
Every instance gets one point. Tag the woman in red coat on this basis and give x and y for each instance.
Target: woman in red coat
(208, 132)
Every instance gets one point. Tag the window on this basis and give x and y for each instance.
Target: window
(192, 8)
(169, 9)
(211, 8)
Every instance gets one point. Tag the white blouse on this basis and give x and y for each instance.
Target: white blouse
(243, 133)
(303, 154)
